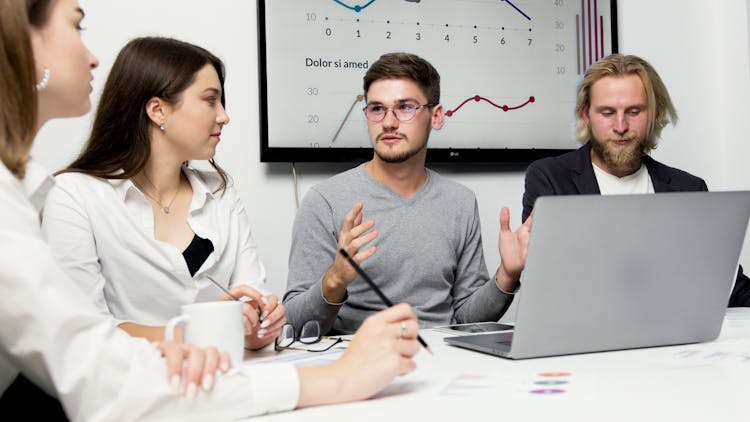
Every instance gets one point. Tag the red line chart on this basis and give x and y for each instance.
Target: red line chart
(478, 98)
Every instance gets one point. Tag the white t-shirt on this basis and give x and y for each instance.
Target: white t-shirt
(102, 233)
(50, 330)
(638, 182)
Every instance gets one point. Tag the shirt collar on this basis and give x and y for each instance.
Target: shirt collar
(199, 183)
(201, 190)
(123, 187)
(37, 184)
(632, 176)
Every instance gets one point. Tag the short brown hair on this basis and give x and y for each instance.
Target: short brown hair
(120, 145)
(406, 66)
(661, 111)
(18, 101)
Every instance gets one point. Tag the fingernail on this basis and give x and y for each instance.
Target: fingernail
(264, 299)
(224, 366)
(175, 383)
(263, 315)
(265, 324)
(261, 333)
(191, 391)
(208, 382)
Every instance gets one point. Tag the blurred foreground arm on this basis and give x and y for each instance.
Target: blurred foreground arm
(378, 354)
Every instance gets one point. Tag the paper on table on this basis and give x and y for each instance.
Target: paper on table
(303, 358)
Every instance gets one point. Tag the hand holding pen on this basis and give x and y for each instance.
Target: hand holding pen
(382, 349)
(264, 315)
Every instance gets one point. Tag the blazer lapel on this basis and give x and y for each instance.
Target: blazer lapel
(583, 171)
(661, 180)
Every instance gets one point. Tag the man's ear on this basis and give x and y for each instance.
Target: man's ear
(585, 114)
(438, 117)
(156, 108)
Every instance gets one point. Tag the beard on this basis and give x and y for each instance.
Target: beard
(620, 159)
(398, 156)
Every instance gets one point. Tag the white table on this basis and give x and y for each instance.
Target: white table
(708, 381)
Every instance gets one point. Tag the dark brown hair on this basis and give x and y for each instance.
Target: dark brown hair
(406, 66)
(18, 101)
(119, 145)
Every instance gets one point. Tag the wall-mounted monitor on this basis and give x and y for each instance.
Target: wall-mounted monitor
(509, 71)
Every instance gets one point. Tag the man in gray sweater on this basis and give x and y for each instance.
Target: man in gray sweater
(415, 233)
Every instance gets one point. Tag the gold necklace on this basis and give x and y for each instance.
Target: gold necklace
(167, 208)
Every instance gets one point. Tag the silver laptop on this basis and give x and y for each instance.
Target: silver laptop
(622, 272)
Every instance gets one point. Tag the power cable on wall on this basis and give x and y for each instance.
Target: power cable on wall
(294, 182)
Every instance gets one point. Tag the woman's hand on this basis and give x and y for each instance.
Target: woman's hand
(271, 319)
(382, 349)
(263, 315)
(193, 365)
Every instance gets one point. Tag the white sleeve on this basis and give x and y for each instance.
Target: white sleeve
(50, 331)
(248, 268)
(67, 228)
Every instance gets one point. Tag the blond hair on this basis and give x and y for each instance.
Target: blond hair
(660, 109)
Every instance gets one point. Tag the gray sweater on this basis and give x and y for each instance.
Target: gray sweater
(429, 254)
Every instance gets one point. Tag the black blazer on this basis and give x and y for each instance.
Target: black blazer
(573, 174)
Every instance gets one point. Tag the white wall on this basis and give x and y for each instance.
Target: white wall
(700, 49)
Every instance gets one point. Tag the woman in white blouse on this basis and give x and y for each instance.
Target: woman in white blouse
(139, 229)
(50, 331)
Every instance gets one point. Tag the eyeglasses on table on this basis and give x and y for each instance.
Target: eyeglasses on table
(309, 338)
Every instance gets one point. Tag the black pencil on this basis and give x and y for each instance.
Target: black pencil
(377, 290)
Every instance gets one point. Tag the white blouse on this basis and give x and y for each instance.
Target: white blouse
(102, 233)
(51, 332)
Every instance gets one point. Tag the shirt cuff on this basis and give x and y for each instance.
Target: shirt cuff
(280, 395)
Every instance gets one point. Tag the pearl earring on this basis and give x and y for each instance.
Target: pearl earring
(45, 80)
(161, 126)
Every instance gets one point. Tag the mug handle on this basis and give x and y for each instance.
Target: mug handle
(169, 328)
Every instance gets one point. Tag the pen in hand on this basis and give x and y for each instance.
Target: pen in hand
(377, 290)
(222, 288)
(233, 297)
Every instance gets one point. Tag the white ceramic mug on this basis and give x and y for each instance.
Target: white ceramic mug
(217, 324)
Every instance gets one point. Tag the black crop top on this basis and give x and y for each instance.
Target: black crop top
(196, 253)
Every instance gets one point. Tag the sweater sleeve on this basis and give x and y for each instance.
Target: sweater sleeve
(314, 241)
(476, 296)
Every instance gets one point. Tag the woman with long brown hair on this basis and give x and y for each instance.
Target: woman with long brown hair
(134, 223)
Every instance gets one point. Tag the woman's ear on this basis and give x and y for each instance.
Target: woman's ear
(155, 108)
(39, 48)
